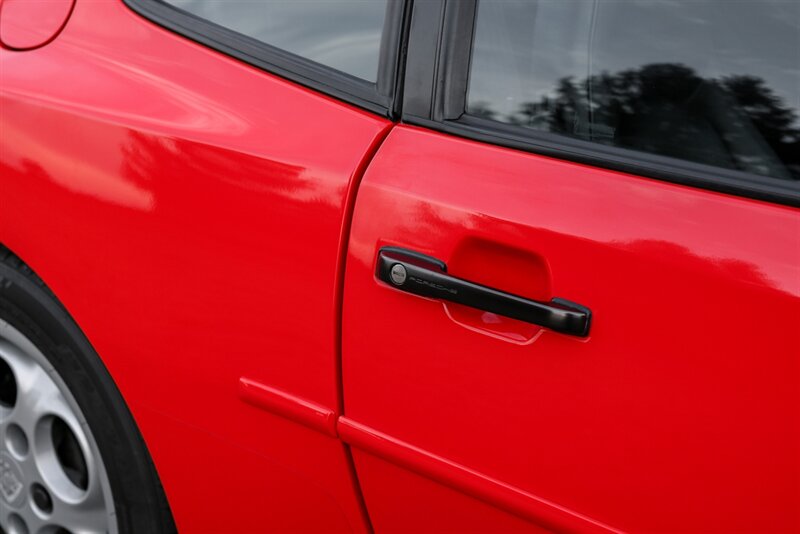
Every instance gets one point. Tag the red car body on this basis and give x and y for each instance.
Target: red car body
(213, 229)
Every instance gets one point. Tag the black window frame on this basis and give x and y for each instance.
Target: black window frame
(435, 97)
(378, 97)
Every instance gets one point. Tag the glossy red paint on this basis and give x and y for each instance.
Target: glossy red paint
(194, 216)
(28, 24)
(170, 198)
(680, 411)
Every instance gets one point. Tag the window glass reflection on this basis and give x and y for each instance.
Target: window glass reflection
(342, 34)
(715, 82)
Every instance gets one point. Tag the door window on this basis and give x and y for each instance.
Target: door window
(711, 82)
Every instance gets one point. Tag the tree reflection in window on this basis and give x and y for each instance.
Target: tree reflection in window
(735, 122)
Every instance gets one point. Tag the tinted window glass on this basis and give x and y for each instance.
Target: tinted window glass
(342, 34)
(714, 82)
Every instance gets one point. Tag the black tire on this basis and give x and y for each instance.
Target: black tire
(29, 306)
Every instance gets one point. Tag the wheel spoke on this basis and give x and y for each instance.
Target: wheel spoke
(26, 373)
(87, 516)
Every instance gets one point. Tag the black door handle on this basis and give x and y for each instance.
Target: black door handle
(425, 276)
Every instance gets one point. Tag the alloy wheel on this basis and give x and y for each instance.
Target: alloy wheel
(52, 477)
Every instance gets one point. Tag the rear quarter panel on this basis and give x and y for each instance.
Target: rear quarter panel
(187, 210)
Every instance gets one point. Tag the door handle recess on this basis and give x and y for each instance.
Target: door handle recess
(422, 275)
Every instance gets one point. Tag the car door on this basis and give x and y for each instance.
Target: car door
(639, 161)
(180, 173)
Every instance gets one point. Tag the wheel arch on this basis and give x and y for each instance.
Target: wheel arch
(53, 318)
